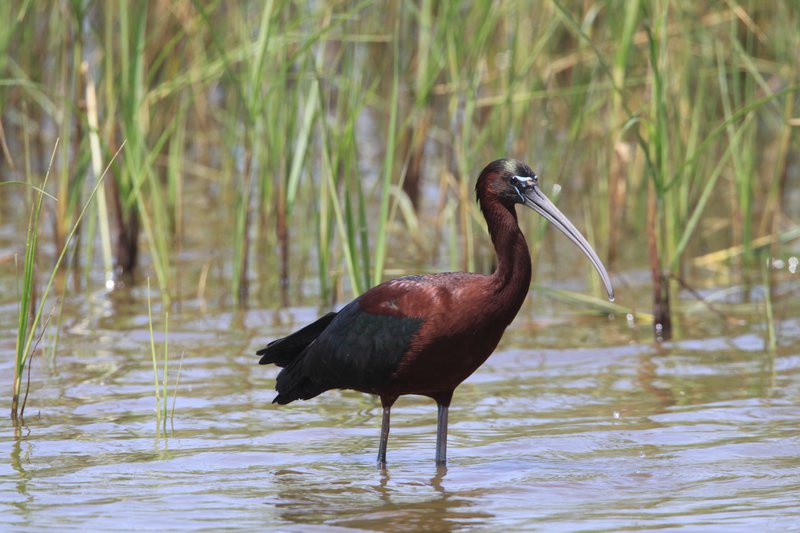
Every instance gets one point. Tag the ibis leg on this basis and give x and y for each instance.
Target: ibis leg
(441, 434)
(387, 407)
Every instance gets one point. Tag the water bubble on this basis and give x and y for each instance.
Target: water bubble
(110, 284)
(777, 263)
(631, 319)
(616, 415)
(793, 261)
(659, 332)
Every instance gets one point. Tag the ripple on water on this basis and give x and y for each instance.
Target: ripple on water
(698, 434)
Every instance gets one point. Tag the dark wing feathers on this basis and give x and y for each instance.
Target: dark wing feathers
(283, 351)
(360, 349)
(357, 350)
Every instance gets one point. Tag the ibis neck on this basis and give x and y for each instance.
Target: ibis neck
(511, 279)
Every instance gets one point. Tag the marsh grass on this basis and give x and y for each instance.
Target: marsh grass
(31, 302)
(161, 381)
(28, 317)
(340, 142)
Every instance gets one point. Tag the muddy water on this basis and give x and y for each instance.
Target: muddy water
(574, 424)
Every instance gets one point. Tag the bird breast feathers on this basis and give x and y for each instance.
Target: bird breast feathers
(444, 299)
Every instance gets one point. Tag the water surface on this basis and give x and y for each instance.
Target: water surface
(576, 423)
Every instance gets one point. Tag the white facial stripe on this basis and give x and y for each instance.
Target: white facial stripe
(526, 181)
(523, 183)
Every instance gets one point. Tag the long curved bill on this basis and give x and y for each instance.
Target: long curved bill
(534, 198)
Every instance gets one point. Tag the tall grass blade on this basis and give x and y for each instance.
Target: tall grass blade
(26, 330)
(388, 163)
(156, 388)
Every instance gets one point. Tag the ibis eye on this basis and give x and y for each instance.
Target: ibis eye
(523, 182)
(519, 186)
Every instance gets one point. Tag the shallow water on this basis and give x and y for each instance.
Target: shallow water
(576, 423)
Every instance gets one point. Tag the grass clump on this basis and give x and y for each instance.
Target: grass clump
(30, 314)
(160, 382)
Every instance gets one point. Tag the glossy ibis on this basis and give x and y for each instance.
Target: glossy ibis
(425, 334)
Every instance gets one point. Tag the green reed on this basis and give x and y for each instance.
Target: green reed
(246, 77)
(319, 125)
(678, 140)
(342, 205)
(27, 317)
(388, 164)
(160, 382)
(137, 182)
(30, 314)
